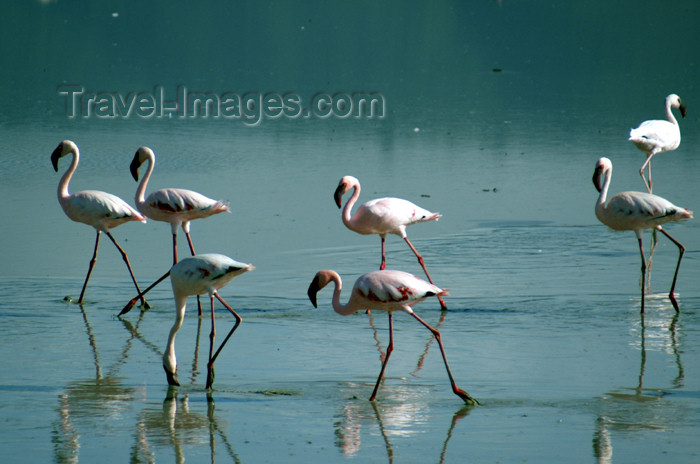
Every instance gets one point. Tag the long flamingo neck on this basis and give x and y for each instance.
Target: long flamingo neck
(65, 180)
(669, 114)
(141, 190)
(347, 210)
(343, 310)
(169, 359)
(604, 189)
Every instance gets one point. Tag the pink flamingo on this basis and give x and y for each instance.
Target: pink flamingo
(657, 136)
(637, 211)
(175, 206)
(387, 291)
(383, 216)
(200, 274)
(101, 210)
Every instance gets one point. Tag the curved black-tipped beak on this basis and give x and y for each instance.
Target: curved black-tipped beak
(338, 195)
(56, 155)
(172, 377)
(683, 109)
(134, 167)
(312, 291)
(596, 178)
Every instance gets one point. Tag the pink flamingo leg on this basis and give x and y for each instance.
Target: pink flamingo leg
(681, 250)
(457, 391)
(210, 365)
(641, 172)
(644, 268)
(174, 248)
(383, 265)
(389, 349)
(91, 266)
(443, 306)
(189, 242)
(133, 301)
(126, 260)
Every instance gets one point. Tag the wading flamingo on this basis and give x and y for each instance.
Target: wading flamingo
(101, 210)
(172, 205)
(382, 216)
(657, 136)
(388, 291)
(637, 211)
(197, 275)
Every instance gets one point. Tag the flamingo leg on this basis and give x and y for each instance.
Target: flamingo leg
(641, 172)
(389, 349)
(189, 242)
(133, 301)
(457, 391)
(212, 335)
(210, 374)
(644, 267)
(383, 265)
(681, 250)
(126, 260)
(443, 306)
(174, 248)
(92, 265)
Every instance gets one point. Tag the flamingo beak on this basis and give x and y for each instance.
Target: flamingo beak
(172, 377)
(596, 177)
(56, 155)
(134, 167)
(683, 109)
(313, 290)
(338, 195)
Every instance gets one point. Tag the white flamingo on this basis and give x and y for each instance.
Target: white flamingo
(637, 211)
(657, 136)
(172, 205)
(101, 210)
(388, 291)
(382, 216)
(197, 275)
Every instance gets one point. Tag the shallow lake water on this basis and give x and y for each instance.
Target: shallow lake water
(543, 326)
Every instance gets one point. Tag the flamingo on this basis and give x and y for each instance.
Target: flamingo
(175, 206)
(388, 291)
(383, 216)
(637, 211)
(657, 136)
(101, 210)
(197, 275)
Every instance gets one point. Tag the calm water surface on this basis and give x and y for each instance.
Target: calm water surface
(543, 324)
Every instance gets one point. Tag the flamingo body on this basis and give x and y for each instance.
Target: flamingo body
(636, 211)
(197, 275)
(389, 291)
(657, 136)
(382, 216)
(98, 209)
(172, 205)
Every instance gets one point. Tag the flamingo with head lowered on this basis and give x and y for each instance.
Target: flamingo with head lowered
(382, 216)
(172, 205)
(388, 291)
(637, 211)
(657, 136)
(101, 210)
(197, 275)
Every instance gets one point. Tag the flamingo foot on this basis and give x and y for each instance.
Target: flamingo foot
(210, 377)
(128, 306)
(466, 397)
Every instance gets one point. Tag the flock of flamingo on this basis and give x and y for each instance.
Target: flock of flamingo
(385, 290)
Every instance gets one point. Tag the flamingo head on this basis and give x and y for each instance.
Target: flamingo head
(321, 279)
(140, 157)
(62, 150)
(170, 373)
(676, 102)
(345, 184)
(601, 167)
